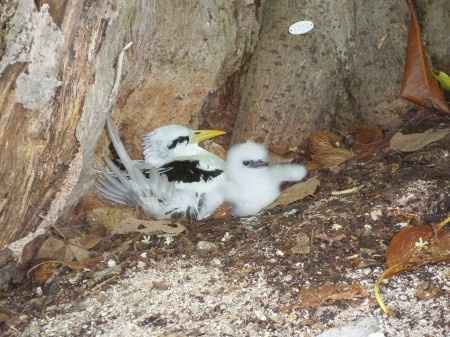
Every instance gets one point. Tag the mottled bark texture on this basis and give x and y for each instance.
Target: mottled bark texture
(347, 69)
(218, 63)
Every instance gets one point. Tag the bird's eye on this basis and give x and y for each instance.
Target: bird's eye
(179, 140)
(246, 162)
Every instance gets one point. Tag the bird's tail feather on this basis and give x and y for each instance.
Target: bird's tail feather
(131, 186)
(105, 191)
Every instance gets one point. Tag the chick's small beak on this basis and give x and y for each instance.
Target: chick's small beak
(257, 163)
(202, 135)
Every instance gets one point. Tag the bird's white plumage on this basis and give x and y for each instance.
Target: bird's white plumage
(153, 193)
(160, 149)
(250, 185)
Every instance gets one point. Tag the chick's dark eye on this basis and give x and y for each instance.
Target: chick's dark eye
(246, 162)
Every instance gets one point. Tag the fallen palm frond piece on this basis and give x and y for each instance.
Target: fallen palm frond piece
(412, 247)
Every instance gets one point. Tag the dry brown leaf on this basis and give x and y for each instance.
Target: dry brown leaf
(330, 292)
(418, 83)
(326, 150)
(367, 140)
(133, 225)
(51, 249)
(44, 270)
(109, 217)
(4, 317)
(75, 253)
(412, 247)
(88, 264)
(86, 241)
(415, 246)
(222, 212)
(416, 141)
(296, 192)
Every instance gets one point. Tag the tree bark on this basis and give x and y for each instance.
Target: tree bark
(57, 69)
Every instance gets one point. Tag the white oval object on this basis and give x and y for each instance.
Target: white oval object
(301, 27)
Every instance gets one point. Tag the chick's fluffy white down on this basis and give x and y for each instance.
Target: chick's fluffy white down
(250, 189)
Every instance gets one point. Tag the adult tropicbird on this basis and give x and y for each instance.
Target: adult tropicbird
(151, 191)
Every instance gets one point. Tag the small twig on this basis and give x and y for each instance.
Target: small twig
(102, 283)
(311, 245)
(347, 191)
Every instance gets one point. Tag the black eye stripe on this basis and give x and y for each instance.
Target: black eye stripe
(179, 140)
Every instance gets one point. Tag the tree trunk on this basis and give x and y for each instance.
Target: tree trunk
(219, 63)
(57, 70)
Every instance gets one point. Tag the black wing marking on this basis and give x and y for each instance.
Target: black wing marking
(187, 171)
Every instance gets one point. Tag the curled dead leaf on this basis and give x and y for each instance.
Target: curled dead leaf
(51, 249)
(41, 272)
(416, 141)
(296, 192)
(326, 149)
(418, 84)
(412, 247)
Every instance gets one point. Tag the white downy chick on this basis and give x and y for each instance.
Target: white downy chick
(251, 183)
